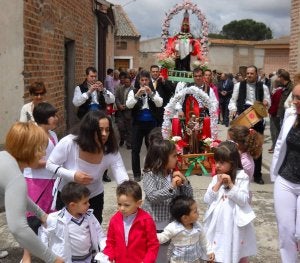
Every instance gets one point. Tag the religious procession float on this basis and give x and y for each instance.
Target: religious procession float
(194, 133)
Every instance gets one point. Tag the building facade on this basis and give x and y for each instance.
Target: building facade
(127, 41)
(51, 41)
(295, 38)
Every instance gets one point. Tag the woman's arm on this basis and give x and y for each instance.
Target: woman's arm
(15, 206)
(118, 169)
(60, 154)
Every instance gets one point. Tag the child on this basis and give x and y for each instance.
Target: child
(40, 181)
(73, 232)
(186, 234)
(228, 220)
(161, 185)
(249, 145)
(131, 236)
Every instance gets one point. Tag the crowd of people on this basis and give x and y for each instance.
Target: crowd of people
(61, 193)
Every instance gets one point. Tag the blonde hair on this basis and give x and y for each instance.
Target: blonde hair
(26, 142)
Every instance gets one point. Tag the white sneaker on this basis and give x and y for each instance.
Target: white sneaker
(3, 254)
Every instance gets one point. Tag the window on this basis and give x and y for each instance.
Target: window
(121, 45)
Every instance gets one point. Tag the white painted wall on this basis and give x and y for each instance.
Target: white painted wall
(11, 64)
(259, 56)
(221, 58)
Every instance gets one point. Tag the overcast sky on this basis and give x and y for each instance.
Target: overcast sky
(147, 15)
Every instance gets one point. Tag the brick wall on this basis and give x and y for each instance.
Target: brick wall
(132, 50)
(276, 59)
(47, 24)
(295, 36)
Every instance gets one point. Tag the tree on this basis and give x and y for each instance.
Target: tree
(214, 35)
(246, 29)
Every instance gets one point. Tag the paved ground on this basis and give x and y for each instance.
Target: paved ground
(265, 224)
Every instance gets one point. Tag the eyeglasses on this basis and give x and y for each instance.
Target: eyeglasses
(295, 98)
(36, 94)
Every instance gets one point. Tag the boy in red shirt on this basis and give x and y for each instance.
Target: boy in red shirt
(131, 236)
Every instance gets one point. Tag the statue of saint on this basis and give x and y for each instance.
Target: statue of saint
(184, 45)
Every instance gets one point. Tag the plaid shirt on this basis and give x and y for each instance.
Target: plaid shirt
(159, 193)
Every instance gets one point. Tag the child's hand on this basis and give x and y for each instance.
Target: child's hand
(180, 175)
(211, 257)
(59, 260)
(226, 180)
(218, 184)
(176, 181)
(44, 219)
(220, 179)
(82, 178)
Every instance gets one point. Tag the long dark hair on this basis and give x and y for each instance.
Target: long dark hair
(228, 152)
(89, 130)
(157, 156)
(111, 146)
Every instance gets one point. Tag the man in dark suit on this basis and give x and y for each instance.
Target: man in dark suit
(165, 89)
(225, 88)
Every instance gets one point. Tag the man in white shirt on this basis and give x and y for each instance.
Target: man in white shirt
(245, 93)
(91, 95)
(144, 102)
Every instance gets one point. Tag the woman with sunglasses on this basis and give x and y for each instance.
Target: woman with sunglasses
(37, 91)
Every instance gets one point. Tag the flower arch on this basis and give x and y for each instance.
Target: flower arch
(202, 99)
(186, 5)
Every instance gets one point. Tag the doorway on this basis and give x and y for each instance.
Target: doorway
(122, 64)
(69, 71)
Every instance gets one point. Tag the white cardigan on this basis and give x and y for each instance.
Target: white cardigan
(56, 235)
(180, 237)
(280, 148)
(65, 155)
(239, 193)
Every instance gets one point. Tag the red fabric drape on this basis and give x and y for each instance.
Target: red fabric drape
(191, 105)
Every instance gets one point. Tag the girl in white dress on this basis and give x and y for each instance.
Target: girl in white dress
(228, 220)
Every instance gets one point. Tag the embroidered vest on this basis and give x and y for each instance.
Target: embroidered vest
(84, 108)
(136, 111)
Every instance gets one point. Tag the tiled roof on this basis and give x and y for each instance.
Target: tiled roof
(124, 26)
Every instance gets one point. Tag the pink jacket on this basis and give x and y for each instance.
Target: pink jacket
(142, 240)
